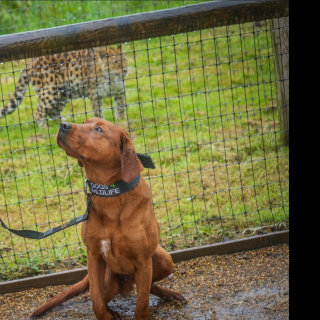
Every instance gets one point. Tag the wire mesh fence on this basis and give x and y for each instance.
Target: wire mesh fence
(202, 104)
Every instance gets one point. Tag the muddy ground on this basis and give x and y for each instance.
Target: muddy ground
(246, 285)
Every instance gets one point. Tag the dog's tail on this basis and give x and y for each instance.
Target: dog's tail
(63, 296)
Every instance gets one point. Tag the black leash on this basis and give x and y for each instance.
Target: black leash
(116, 189)
(30, 234)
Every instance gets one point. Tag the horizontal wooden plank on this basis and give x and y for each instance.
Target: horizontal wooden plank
(75, 275)
(138, 26)
(247, 244)
(55, 279)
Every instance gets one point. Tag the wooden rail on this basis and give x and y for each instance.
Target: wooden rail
(138, 26)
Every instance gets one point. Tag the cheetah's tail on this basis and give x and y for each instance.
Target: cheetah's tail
(18, 95)
(63, 296)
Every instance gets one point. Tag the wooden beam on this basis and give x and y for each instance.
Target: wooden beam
(138, 26)
(247, 244)
(75, 275)
(55, 279)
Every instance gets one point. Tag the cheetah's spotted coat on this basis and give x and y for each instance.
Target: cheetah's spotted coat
(93, 73)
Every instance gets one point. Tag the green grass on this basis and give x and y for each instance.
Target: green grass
(206, 112)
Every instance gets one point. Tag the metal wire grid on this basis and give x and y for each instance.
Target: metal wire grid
(203, 105)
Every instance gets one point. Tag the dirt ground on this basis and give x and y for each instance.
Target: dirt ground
(246, 285)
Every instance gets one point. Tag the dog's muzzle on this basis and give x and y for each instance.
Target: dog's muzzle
(65, 128)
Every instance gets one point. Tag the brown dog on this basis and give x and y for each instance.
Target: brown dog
(121, 234)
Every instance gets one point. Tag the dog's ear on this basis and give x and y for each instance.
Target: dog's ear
(80, 163)
(131, 166)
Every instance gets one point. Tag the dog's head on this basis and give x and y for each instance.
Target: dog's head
(100, 146)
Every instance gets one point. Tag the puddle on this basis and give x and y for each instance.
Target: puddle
(254, 304)
(242, 305)
(249, 305)
(124, 305)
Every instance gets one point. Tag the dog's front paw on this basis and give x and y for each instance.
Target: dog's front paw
(115, 314)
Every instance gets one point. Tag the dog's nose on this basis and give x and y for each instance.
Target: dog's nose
(65, 126)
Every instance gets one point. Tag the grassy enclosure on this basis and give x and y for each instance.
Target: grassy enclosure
(202, 104)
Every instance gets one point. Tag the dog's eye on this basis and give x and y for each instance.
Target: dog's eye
(98, 129)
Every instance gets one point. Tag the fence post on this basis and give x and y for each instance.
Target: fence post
(281, 51)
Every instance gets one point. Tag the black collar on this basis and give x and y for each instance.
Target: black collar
(116, 189)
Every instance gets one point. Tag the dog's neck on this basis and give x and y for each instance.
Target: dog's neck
(113, 190)
(105, 176)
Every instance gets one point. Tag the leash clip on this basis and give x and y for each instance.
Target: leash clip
(85, 186)
(89, 199)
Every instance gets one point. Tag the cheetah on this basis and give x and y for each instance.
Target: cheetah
(59, 78)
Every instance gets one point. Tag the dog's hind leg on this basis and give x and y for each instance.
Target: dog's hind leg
(162, 264)
(166, 294)
(162, 268)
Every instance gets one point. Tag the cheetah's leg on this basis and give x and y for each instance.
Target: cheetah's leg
(41, 114)
(57, 115)
(50, 106)
(96, 102)
(120, 106)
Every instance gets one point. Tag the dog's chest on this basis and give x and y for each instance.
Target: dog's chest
(117, 262)
(105, 247)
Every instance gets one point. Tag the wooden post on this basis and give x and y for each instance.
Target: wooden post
(281, 51)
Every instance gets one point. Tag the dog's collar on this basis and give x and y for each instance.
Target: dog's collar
(116, 189)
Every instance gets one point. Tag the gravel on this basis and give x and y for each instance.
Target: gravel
(246, 285)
